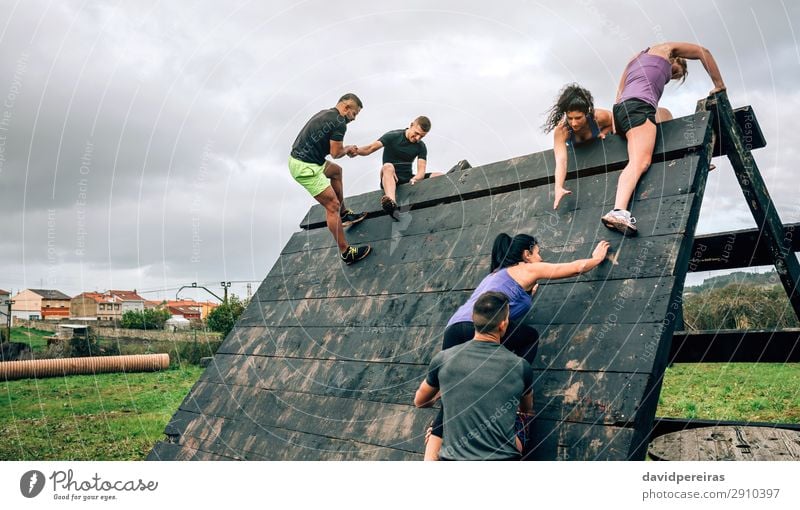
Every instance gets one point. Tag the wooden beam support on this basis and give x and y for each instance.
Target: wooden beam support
(738, 248)
(757, 196)
(735, 346)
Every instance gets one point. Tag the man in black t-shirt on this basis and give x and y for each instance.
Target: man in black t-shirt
(400, 148)
(323, 135)
(482, 386)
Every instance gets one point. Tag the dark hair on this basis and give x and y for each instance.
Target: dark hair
(423, 122)
(351, 97)
(507, 251)
(572, 98)
(491, 308)
(681, 62)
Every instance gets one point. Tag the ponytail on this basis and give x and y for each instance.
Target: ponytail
(507, 251)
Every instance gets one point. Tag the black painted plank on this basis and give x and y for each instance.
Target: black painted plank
(724, 346)
(244, 439)
(624, 347)
(674, 139)
(578, 441)
(662, 180)
(376, 343)
(610, 397)
(625, 301)
(738, 248)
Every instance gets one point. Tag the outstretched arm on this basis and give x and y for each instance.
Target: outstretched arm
(535, 271)
(338, 149)
(560, 151)
(368, 149)
(697, 52)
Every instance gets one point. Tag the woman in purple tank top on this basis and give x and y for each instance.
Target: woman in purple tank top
(515, 269)
(639, 91)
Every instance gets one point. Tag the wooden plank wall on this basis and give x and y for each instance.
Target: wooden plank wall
(324, 362)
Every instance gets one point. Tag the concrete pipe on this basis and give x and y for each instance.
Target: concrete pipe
(39, 368)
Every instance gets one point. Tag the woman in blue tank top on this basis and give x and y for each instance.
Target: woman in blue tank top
(638, 94)
(515, 270)
(573, 119)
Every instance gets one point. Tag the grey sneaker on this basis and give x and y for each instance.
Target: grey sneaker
(352, 254)
(350, 218)
(621, 221)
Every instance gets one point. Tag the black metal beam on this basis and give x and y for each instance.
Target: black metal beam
(757, 196)
(738, 248)
(781, 346)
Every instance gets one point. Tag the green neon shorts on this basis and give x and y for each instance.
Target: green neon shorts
(309, 175)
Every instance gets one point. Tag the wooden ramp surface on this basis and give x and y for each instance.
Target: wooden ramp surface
(324, 362)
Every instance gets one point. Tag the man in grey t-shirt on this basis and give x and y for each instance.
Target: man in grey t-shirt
(482, 385)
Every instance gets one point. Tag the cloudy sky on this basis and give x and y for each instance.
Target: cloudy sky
(143, 144)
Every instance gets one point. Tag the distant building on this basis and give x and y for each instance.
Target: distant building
(105, 306)
(131, 301)
(186, 308)
(37, 304)
(5, 297)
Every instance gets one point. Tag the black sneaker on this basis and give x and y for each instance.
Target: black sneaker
(389, 205)
(349, 218)
(352, 254)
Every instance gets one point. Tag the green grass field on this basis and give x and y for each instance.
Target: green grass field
(735, 391)
(121, 416)
(36, 338)
(103, 417)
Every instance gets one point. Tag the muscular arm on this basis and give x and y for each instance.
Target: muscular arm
(421, 166)
(697, 52)
(338, 149)
(560, 152)
(426, 395)
(529, 273)
(369, 149)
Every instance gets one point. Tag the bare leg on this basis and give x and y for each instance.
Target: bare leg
(389, 180)
(332, 206)
(432, 447)
(641, 141)
(435, 174)
(334, 173)
(663, 115)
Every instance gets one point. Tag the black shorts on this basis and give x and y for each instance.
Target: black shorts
(404, 175)
(632, 113)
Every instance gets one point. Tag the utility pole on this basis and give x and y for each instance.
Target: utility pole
(225, 287)
(249, 291)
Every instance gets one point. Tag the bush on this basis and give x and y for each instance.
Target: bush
(738, 306)
(191, 352)
(222, 318)
(151, 318)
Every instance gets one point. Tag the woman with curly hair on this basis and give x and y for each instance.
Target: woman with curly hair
(573, 119)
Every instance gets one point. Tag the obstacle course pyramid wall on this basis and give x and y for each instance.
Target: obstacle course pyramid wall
(324, 362)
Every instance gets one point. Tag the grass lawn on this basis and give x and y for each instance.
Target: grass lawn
(85, 417)
(36, 338)
(735, 391)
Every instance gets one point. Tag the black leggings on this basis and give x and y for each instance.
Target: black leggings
(520, 339)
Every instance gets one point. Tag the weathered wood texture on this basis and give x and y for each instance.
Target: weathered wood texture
(324, 362)
(728, 443)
